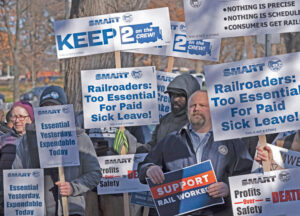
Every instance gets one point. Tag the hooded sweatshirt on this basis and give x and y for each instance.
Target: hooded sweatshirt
(170, 122)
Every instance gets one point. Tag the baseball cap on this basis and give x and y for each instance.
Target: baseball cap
(53, 94)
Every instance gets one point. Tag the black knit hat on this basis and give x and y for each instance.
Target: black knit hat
(54, 94)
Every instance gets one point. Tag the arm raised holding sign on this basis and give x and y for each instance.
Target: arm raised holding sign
(264, 153)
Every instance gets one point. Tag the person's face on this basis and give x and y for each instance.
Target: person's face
(198, 111)
(178, 102)
(19, 117)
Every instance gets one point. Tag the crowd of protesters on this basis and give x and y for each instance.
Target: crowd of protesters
(182, 138)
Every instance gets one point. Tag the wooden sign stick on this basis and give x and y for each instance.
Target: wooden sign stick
(63, 198)
(170, 64)
(146, 211)
(123, 151)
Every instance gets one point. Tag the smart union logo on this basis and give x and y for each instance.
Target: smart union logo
(36, 174)
(195, 3)
(66, 110)
(137, 74)
(182, 28)
(127, 17)
(275, 64)
(284, 176)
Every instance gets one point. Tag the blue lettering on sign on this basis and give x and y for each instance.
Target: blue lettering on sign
(141, 33)
(104, 21)
(243, 69)
(199, 47)
(174, 27)
(85, 39)
(193, 47)
(180, 44)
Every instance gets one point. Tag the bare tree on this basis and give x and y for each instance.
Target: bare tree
(74, 65)
(39, 32)
(10, 15)
(292, 42)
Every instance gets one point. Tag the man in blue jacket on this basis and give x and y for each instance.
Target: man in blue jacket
(194, 143)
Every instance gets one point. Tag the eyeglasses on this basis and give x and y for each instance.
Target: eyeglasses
(21, 118)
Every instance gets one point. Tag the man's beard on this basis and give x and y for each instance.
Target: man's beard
(178, 109)
(198, 122)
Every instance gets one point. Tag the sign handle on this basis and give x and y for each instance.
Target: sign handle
(63, 198)
(118, 59)
(263, 142)
(146, 211)
(170, 64)
(125, 195)
(126, 204)
(123, 151)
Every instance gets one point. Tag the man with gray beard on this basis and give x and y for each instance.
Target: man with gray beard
(193, 144)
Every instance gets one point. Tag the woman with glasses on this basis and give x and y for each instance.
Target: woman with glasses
(21, 113)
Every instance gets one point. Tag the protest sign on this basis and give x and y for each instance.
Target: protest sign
(164, 103)
(181, 47)
(185, 190)
(111, 32)
(232, 18)
(120, 174)
(143, 198)
(282, 157)
(23, 192)
(56, 136)
(105, 132)
(272, 193)
(119, 97)
(254, 97)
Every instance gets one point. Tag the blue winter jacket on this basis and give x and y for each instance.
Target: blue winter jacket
(175, 151)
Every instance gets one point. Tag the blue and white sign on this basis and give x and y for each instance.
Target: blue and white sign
(120, 174)
(143, 198)
(164, 103)
(233, 18)
(272, 193)
(105, 132)
(107, 33)
(181, 47)
(254, 97)
(23, 192)
(119, 97)
(185, 190)
(56, 136)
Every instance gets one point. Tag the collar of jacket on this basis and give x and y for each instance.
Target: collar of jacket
(183, 129)
(186, 128)
(14, 133)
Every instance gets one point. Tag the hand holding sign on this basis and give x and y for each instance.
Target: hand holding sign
(155, 174)
(218, 189)
(65, 188)
(265, 154)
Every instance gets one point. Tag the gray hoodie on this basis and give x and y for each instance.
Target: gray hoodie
(170, 122)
